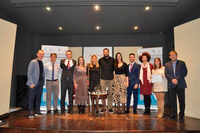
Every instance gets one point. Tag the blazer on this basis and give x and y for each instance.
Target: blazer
(181, 73)
(34, 73)
(67, 74)
(134, 74)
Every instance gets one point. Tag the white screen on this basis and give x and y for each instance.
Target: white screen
(7, 43)
(187, 44)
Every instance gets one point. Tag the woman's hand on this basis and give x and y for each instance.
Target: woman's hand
(127, 84)
(76, 86)
(88, 83)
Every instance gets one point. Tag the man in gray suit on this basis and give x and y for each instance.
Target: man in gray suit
(35, 83)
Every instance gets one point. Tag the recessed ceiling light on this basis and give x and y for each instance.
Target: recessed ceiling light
(136, 28)
(97, 27)
(60, 28)
(147, 8)
(48, 8)
(96, 8)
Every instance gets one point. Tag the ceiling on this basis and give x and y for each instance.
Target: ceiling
(113, 19)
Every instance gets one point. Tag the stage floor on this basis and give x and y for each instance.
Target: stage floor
(18, 122)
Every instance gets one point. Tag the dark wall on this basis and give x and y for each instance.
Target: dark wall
(22, 56)
(23, 53)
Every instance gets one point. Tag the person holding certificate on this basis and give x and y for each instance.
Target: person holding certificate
(159, 85)
(145, 80)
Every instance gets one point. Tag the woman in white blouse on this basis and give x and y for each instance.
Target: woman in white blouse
(159, 88)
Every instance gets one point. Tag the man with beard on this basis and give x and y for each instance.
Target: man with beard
(106, 79)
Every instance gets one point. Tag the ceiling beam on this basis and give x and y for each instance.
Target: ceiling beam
(43, 3)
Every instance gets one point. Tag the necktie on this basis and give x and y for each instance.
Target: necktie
(131, 67)
(52, 71)
(68, 65)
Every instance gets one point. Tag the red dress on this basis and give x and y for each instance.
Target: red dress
(146, 87)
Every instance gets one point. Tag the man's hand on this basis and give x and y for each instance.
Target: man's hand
(136, 86)
(32, 86)
(175, 81)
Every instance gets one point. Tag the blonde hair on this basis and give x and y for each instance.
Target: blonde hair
(91, 63)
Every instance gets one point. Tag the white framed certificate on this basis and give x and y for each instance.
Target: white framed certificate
(156, 78)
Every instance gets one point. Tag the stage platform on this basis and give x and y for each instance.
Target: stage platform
(18, 122)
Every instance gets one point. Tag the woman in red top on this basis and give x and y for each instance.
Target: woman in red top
(145, 80)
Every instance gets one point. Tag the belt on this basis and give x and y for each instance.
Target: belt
(53, 80)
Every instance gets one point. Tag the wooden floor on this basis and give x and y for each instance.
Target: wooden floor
(18, 122)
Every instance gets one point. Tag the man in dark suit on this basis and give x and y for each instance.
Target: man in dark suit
(134, 70)
(175, 72)
(67, 65)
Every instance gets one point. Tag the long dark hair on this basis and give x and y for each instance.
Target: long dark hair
(155, 67)
(116, 60)
(83, 61)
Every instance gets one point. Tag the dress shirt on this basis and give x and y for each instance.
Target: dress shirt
(48, 71)
(174, 68)
(70, 62)
(130, 66)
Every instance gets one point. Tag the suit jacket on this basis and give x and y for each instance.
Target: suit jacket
(181, 73)
(67, 74)
(134, 74)
(33, 73)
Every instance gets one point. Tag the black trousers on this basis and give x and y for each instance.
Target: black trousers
(173, 93)
(35, 94)
(147, 102)
(67, 85)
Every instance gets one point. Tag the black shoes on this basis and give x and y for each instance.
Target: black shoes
(31, 115)
(39, 114)
(181, 119)
(62, 112)
(55, 112)
(49, 112)
(110, 111)
(173, 117)
(79, 109)
(70, 111)
(147, 112)
(102, 111)
(134, 111)
(127, 111)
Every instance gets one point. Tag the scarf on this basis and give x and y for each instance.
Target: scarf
(148, 72)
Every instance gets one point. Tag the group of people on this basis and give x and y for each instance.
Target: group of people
(115, 77)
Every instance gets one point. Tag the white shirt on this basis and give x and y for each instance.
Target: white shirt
(70, 62)
(48, 71)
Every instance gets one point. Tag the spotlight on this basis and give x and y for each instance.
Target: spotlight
(147, 8)
(136, 28)
(48, 8)
(98, 28)
(60, 28)
(96, 8)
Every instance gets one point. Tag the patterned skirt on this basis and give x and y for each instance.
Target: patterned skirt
(119, 90)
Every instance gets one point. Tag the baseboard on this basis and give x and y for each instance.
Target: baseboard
(6, 115)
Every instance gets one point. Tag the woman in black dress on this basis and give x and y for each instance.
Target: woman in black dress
(93, 73)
